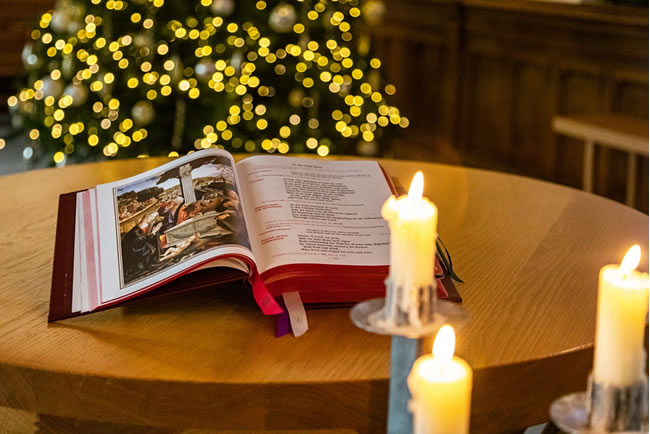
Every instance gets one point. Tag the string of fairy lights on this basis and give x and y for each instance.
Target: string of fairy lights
(294, 77)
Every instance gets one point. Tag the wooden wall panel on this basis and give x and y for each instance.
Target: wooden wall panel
(427, 110)
(630, 98)
(577, 92)
(642, 194)
(540, 61)
(489, 102)
(531, 99)
(419, 44)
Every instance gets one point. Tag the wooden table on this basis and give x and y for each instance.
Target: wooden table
(529, 252)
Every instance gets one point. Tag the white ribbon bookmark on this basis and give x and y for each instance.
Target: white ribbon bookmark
(297, 315)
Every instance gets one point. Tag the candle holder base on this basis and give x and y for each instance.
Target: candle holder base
(569, 413)
(603, 409)
(368, 316)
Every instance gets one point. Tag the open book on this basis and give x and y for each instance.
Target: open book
(282, 224)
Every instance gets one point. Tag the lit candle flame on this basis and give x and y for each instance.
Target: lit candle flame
(631, 259)
(417, 186)
(444, 344)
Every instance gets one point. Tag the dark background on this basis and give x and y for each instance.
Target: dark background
(480, 81)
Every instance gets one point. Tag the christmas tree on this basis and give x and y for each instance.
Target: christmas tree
(126, 78)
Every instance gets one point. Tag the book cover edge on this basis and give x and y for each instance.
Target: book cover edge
(63, 264)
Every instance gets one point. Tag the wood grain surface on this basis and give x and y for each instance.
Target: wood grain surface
(529, 252)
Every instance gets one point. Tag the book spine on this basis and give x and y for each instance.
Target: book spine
(63, 267)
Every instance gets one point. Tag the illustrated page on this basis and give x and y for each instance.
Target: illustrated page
(157, 224)
(315, 211)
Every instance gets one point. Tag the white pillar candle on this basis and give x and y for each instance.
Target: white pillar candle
(619, 356)
(412, 220)
(441, 389)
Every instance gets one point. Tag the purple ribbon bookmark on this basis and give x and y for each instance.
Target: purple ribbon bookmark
(282, 322)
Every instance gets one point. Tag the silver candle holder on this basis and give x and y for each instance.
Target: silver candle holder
(604, 408)
(408, 315)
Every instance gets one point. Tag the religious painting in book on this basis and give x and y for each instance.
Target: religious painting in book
(167, 218)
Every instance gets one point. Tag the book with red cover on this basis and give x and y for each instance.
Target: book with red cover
(267, 225)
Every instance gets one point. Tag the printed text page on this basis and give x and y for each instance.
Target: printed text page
(314, 211)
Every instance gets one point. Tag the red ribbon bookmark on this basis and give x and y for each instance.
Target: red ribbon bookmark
(263, 298)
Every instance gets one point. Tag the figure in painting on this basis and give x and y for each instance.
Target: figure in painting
(232, 217)
(140, 246)
(178, 249)
(169, 213)
(188, 211)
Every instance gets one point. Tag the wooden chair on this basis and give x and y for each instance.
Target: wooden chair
(617, 132)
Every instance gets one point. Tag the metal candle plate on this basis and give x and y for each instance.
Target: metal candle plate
(570, 414)
(367, 314)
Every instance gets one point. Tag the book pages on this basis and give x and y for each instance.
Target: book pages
(148, 229)
(304, 211)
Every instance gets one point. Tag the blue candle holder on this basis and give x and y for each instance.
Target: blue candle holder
(408, 315)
